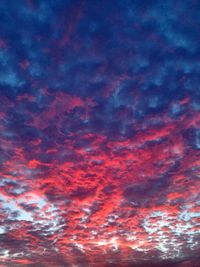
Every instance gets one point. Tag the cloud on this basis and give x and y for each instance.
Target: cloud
(99, 133)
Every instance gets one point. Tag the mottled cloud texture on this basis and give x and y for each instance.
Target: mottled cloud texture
(99, 133)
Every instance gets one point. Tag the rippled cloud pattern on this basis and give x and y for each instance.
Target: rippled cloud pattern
(99, 133)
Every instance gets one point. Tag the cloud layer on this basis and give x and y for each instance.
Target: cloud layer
(100, 133)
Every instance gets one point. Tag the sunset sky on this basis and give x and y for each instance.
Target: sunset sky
(100, 133)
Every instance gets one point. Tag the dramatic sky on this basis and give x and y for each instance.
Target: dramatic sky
(99, 133)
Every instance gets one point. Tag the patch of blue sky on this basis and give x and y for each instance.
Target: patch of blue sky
(189, 66)
(187, 216)
(7, 134)
(153, 102)
(156, 214)
(158, 78)
(137, 63)
(195, 214)
(41, 14)
(197, 138)
(5, 180)
(164, 15)
(188, 84)
(4, 253)
(26, 12)
(35, 70)
(10, 78)
(179, 39)
(64, 68)
(27, 42)
(131, 13)
(10, 205)
(168, 20)
(44, 12)
(40, 202)
(175, 110)
(2, 230)
(19, 190)
(4, 58)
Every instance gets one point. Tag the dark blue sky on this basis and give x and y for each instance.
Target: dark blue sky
(99, 133)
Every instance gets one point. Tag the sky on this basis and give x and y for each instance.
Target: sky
(99, 133)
